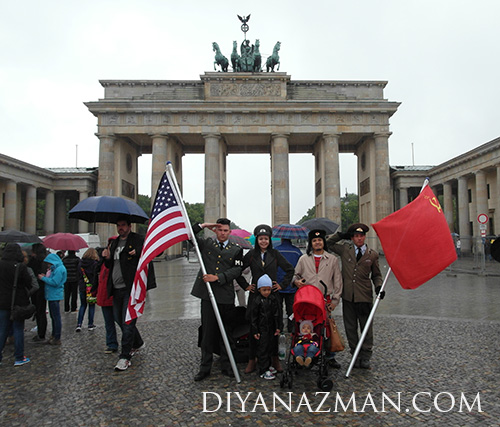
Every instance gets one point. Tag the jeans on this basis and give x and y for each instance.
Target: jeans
(131, 338)
(18, 329)
(109, 322)
(83, 307)
(298, 350)
(55, 316)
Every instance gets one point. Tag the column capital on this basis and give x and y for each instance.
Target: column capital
(331, 135)
(159, 135)
(479, 172)
(211, 135)
(280, 135)
(105, 135)
(382, 134)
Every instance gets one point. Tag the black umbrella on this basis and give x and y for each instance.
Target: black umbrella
(495, 250)
(14, 236)
(108, 209)
(325, 224)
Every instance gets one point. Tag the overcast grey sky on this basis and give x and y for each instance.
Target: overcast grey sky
(440, 58)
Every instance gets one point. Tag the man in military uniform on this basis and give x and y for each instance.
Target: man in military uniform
(360, 268)
(223, 261)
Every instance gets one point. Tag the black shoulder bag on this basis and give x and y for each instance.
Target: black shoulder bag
(17, 312)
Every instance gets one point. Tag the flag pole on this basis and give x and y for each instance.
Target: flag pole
(171, 174)
(367, 326)
(372, 313)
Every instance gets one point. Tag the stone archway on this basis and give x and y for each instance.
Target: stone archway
(224, 113)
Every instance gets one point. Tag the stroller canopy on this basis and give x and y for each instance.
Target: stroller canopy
(309, 304)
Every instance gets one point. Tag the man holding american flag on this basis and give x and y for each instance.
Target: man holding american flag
(122, 258)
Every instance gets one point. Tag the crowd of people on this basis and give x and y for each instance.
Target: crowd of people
(349, 271)
(105, 277)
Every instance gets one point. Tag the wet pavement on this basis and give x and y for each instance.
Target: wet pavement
(436, 360)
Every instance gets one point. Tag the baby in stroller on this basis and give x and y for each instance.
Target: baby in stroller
(307, 344)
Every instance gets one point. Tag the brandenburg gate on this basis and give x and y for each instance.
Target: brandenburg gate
(248, 112)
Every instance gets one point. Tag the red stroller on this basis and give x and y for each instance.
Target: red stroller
(309, 304)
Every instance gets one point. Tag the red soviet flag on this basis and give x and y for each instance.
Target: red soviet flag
(416, 240)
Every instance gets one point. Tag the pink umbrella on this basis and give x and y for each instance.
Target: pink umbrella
(241, 233)
(64, 242)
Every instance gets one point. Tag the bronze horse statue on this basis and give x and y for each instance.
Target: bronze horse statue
(235, 58)
(274, 59)
(257, 59)
(220, 59)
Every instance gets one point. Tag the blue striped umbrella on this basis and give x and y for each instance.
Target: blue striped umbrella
(290, 231)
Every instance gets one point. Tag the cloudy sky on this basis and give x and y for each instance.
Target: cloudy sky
(440, 58)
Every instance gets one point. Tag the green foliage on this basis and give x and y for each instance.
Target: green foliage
(349, 206)
(196, 212)
(40, 216)
(311, 213)
(145, 203)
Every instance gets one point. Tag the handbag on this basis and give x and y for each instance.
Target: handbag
(336, 341)
(19, 312)
(91, 297)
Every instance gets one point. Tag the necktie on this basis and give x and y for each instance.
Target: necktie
(359, 255)
(221, 246)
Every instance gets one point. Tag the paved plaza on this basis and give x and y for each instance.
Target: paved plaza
(436, 361)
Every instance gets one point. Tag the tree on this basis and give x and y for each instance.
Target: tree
(145, 203)
(196, 212)
(349, 206)
(311, 213)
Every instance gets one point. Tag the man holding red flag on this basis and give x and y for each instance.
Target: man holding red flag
(360, 268)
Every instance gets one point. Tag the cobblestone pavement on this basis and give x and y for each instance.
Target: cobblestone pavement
(435, 360)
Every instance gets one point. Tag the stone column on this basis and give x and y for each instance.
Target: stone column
(60, 212)
(448, 204)
(280, 194)
(463, 215)
(49, 213)
(212, 177)
(30, 214)
(497, 204)
(223, 178)
(11, 220)
(83, 226)
(332, 177)
(403, 197)
(481, 201)
(382, 178)
(159, 161)
(106, 181)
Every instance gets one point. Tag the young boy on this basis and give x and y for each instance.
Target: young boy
(266, 325)
(309, 338)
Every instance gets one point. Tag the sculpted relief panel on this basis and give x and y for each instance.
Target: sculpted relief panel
(246, 89)
(194, 118)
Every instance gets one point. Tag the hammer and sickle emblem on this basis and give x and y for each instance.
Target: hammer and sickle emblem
(435, 202)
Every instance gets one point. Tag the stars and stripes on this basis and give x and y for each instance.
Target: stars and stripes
(167, 227)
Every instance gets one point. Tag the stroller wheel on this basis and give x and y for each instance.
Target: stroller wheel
(325, 385)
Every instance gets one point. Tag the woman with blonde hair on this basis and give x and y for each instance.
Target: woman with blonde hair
(87, 277)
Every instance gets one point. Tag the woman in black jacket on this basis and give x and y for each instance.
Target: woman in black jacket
(12, 258)
(263, 259)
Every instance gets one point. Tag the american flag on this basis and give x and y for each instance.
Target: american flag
(167, 227)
